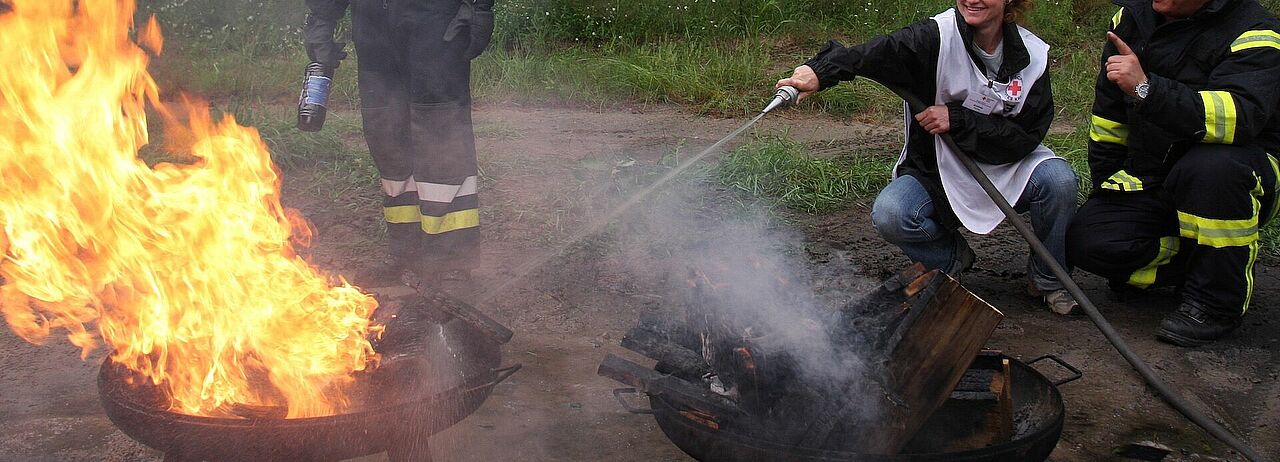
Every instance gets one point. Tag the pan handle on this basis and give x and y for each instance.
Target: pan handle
(1076, 374)
(505, 373)
(617, 394)
(500, 375)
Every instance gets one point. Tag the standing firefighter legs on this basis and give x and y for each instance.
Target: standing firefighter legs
(1199, 229)
(416, 103)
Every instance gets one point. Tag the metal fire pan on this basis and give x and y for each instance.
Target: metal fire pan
(1037, 409)
(449, 375)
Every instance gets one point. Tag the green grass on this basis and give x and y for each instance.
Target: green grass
(1073, 146)
(777, 167)
(338, 142)
(718, 57)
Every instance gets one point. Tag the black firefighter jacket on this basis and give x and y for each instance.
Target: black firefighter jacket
(323, 19)
(1215, 78)
(906, 61)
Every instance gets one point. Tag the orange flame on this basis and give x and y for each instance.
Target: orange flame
(186, 269)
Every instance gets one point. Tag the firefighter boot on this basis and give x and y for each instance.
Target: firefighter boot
(1191, 325)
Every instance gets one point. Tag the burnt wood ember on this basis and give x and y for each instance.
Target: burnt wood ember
(656, 384)
(435, 370)
(1037, 410)
(916, 336)
(652, 339)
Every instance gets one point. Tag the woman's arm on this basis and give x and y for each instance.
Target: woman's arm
(993, 139)
(899, 59)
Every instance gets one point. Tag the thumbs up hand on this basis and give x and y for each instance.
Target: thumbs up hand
(1123, 68)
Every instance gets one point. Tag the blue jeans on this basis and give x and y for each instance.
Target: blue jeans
(904, 215)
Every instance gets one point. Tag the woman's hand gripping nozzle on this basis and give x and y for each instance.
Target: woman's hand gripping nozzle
(785, 96)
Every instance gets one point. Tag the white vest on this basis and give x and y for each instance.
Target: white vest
(958, 78)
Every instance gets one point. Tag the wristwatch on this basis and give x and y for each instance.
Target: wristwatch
(1142, 90)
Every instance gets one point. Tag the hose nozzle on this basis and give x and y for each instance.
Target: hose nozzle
(785, 96)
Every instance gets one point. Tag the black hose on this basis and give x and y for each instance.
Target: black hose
(1174, 399)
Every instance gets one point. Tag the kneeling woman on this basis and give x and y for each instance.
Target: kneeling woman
(989, 82)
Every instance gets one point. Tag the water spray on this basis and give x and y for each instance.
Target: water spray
(785, 96)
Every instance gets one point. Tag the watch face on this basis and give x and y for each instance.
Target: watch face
(1142, 90)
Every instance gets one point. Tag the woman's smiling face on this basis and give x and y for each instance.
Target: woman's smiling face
(981, 13)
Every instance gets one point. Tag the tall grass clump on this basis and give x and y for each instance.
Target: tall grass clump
(779, 168)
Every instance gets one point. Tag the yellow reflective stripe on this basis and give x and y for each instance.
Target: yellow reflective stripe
(452, 221)
(1219, 233)
(1115, 20)
(1275, 203)
(1146, 276)
(1248, 275)
(1219, 117)
(1122, 181)
(1256, 39)
(1254, 246)
(402, 214)
(1108, 131)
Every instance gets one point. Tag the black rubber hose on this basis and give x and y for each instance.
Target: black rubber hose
(1174, 399)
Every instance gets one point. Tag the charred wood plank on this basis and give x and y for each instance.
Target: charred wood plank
(925, 351)
(674, 389)
(656, 346)
(931, 357)
(467, 313)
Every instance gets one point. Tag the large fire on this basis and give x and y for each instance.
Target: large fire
(185, 269)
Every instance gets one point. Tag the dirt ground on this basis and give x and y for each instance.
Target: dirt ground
(550, 171)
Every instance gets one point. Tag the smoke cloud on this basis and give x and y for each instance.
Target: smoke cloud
(755, 275)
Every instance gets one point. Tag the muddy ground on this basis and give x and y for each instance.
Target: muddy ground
(550, 171)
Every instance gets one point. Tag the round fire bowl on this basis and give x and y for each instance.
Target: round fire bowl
(1037, 425)
(448, 372)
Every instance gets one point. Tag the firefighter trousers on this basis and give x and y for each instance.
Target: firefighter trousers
(1199, 229)
(415, 102)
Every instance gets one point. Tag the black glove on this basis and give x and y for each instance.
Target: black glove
(479, 23)
(318, 37)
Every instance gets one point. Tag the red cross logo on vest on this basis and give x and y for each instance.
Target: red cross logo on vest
(1015, 87)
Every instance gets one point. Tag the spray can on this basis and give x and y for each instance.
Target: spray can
(317, 83)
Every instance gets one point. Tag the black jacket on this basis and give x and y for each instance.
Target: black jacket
(323, 19)
(906, 60)
(317, 34)
(1215, 78)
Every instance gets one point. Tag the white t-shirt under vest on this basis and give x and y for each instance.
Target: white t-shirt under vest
(959, 79)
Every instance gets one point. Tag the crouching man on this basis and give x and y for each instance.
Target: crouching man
(1184, 124)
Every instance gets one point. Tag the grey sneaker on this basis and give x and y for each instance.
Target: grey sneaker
(1060, 301)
